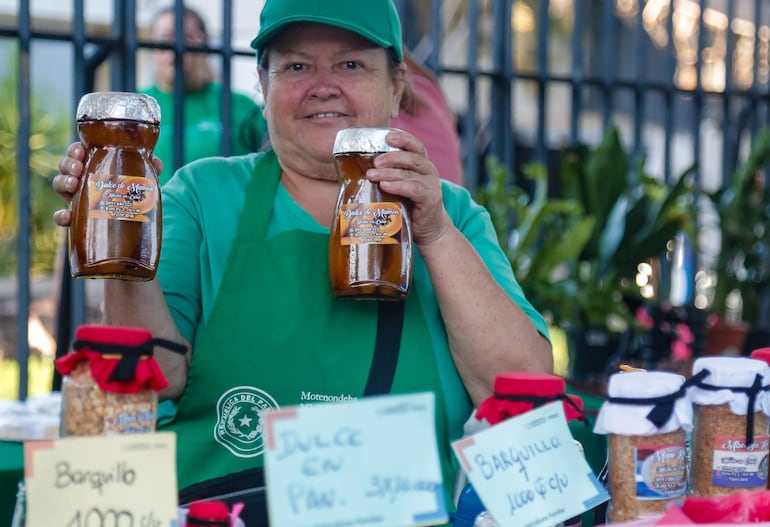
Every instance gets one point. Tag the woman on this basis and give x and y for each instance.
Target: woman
(202, 96)
(243, 279)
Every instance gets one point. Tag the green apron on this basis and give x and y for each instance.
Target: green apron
(277, 336)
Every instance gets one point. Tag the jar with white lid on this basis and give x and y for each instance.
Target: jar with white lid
(646, 417)
(730, 436)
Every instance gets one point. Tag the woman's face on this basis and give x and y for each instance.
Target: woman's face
(196, 69)
(321, 79)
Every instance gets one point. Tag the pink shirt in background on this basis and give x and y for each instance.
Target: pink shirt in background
(433, 122)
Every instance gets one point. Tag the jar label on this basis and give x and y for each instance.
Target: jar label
(738, 465)
(378, 223)
(130, 418)
(661, 471)
(126, 198)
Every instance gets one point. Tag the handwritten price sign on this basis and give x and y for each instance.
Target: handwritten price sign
(368, 463)
(528, 470)
(116, 481)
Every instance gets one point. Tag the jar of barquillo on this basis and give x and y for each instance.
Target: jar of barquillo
(646, 417)
(110, 381)
(730, 436)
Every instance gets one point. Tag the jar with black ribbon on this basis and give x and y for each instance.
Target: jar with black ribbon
(110, 381)
(730, 436)
(646, 417)
(516, 393)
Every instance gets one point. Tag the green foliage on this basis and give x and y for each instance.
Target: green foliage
(40, 370)
(49, 136)
(743, 263)
(576, 256)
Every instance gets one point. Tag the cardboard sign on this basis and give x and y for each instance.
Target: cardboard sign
(528, 471)
(372, 462)
(123, 480)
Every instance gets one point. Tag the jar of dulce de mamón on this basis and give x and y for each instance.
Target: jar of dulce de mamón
(110, 381)
(370, 245)
(646, 417)
(730, 442)
(515, 393)
(116, 210)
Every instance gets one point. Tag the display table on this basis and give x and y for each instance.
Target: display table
(11, 472)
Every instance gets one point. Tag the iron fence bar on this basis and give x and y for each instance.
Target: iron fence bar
(434, 57)
(227, 56)
(471, 152)
(608, 62)
(640, 69)
(179, 83)
(729, 140)
(543, 25)
(577, 72)
(502, 83)
(23, 246)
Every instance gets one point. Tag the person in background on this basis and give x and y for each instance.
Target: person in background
(202, 97)
(427, 115)
(243, 279)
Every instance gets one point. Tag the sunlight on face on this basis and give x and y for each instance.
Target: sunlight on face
(322, 79)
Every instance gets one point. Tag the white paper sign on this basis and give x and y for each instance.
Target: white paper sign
(528, 471)
(372, 462)
(122, 480)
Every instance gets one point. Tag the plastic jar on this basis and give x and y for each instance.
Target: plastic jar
(116, 211)
(370, 246)
(730, 435)
(110, 381)
(646, 417)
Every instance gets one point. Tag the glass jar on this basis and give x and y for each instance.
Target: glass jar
(116, 211)
(110, 381)
(646, 417)
(730, 436)
(370, 247)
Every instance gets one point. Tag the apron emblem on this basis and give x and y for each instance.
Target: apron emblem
(239, 426)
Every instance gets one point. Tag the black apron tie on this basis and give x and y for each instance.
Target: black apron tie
(663, 405)
(125, 370)
(751, 392)
(540, 400)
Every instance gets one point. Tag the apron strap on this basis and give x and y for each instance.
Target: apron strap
(390, 323)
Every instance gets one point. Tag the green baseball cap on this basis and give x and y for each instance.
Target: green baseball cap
(375, 20)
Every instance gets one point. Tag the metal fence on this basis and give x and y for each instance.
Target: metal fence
(684, 80)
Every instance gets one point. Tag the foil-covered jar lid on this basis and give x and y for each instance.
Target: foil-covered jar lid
(102, 105)
(370, 140)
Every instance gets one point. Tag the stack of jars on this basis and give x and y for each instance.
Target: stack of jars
(669, 436)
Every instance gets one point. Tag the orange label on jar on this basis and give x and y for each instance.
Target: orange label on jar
(377, 223)
(121, 197)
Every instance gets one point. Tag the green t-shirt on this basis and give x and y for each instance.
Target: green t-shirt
(203, 125)
(202, 205)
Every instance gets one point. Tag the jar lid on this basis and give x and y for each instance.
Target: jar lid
(644, 403)
(370, 140)
(119, 357)
(209, 511)
(125, 335)
(529, 383)
(734, 375)
(644, 384)
(519, 392)
(98, 106)
(762, 354)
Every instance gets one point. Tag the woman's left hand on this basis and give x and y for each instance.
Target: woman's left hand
(409, 173)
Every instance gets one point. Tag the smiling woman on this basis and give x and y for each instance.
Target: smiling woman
(247, 238)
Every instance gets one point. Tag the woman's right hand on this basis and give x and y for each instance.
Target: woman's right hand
(66, 182)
